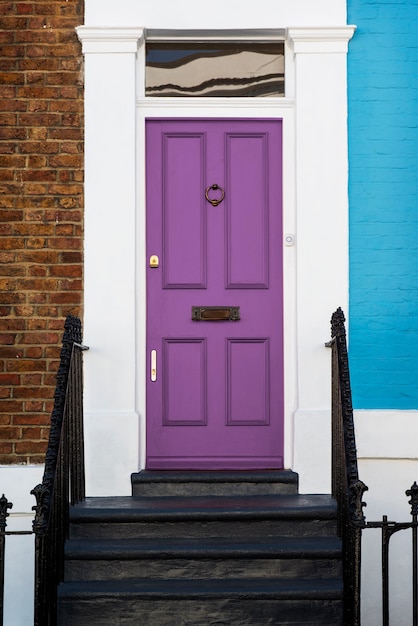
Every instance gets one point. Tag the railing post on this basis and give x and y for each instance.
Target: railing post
(347, 489)
(4, 505)
(63, 479)
(413, 492)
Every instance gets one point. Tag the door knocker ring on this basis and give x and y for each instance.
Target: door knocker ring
(214, 201)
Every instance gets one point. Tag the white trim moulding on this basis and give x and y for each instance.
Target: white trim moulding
(110, 40)
(327, 39)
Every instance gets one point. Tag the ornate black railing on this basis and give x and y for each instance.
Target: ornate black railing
(347, 488)
(388, 529)
(63, 479)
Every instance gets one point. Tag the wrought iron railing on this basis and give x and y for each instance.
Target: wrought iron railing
(347, 488)
(63, 481)
(388, 529)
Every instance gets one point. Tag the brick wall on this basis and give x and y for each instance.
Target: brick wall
(41, 202)
(383, 189)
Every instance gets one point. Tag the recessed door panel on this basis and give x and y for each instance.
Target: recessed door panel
(247, 211)
(184, 224)
(184, 375)
(248, 382)
(214, 300)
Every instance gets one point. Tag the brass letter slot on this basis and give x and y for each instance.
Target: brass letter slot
(215, 314)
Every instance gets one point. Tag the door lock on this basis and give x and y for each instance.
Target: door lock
(154, 261)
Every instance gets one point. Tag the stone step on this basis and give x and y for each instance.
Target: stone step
(200, 483)
(255, 602)
(204, 558)
(211, 516)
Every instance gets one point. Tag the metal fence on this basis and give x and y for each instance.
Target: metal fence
(63, 481)
(348, 490)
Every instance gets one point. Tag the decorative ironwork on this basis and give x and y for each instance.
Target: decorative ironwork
(63, 480)
(347, 488)
(388, 529)
(4, 506)
(214, 201)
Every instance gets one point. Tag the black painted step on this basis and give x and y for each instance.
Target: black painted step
(207, 557)
(201, 483)
(204, 549)
(255, 602)
(133, 517)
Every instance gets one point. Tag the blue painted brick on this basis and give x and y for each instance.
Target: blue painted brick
(383, 196)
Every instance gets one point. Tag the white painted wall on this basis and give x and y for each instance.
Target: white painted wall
(16, 484)
(388, 465)
(189, 14)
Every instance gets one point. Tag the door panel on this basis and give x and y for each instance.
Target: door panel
(216, 399)
(184, 223)
(247, 211)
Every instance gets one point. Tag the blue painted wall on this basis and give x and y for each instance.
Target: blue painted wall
(383, 193)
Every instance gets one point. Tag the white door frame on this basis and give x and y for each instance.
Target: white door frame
(315, 265)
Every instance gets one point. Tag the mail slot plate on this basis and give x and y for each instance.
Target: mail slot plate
(215, 313)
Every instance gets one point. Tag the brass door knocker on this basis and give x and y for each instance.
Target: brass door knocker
(214, 201)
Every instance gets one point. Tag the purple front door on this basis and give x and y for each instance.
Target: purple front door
(214, 294)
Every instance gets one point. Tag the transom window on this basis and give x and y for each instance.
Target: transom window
(214, 69)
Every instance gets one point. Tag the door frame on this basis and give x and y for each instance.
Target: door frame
(234, 108)
(314, 114)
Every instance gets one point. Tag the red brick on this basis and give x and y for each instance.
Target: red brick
(37, 324)
(38, 270)
(36, 298)
(36, 160)
(33, 392)
(12, 406)
(6, 449)
(26, 365)
(12, 324)
(68, 271)
(34, 353)
(42, 418)
(7, 339)
(10, 353)
(37, 106)
(33, 405)
(13, 298)
(39, 64)
(9, 379)
(64, 229)
(24, 8)
(40, 338)
(8, 119)
(31, 432)
(31, 379)
(11, 22)
(52, 352)
(13, 105)
(30, 447)
(7, 148)
(9, 432)
(45, 147)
